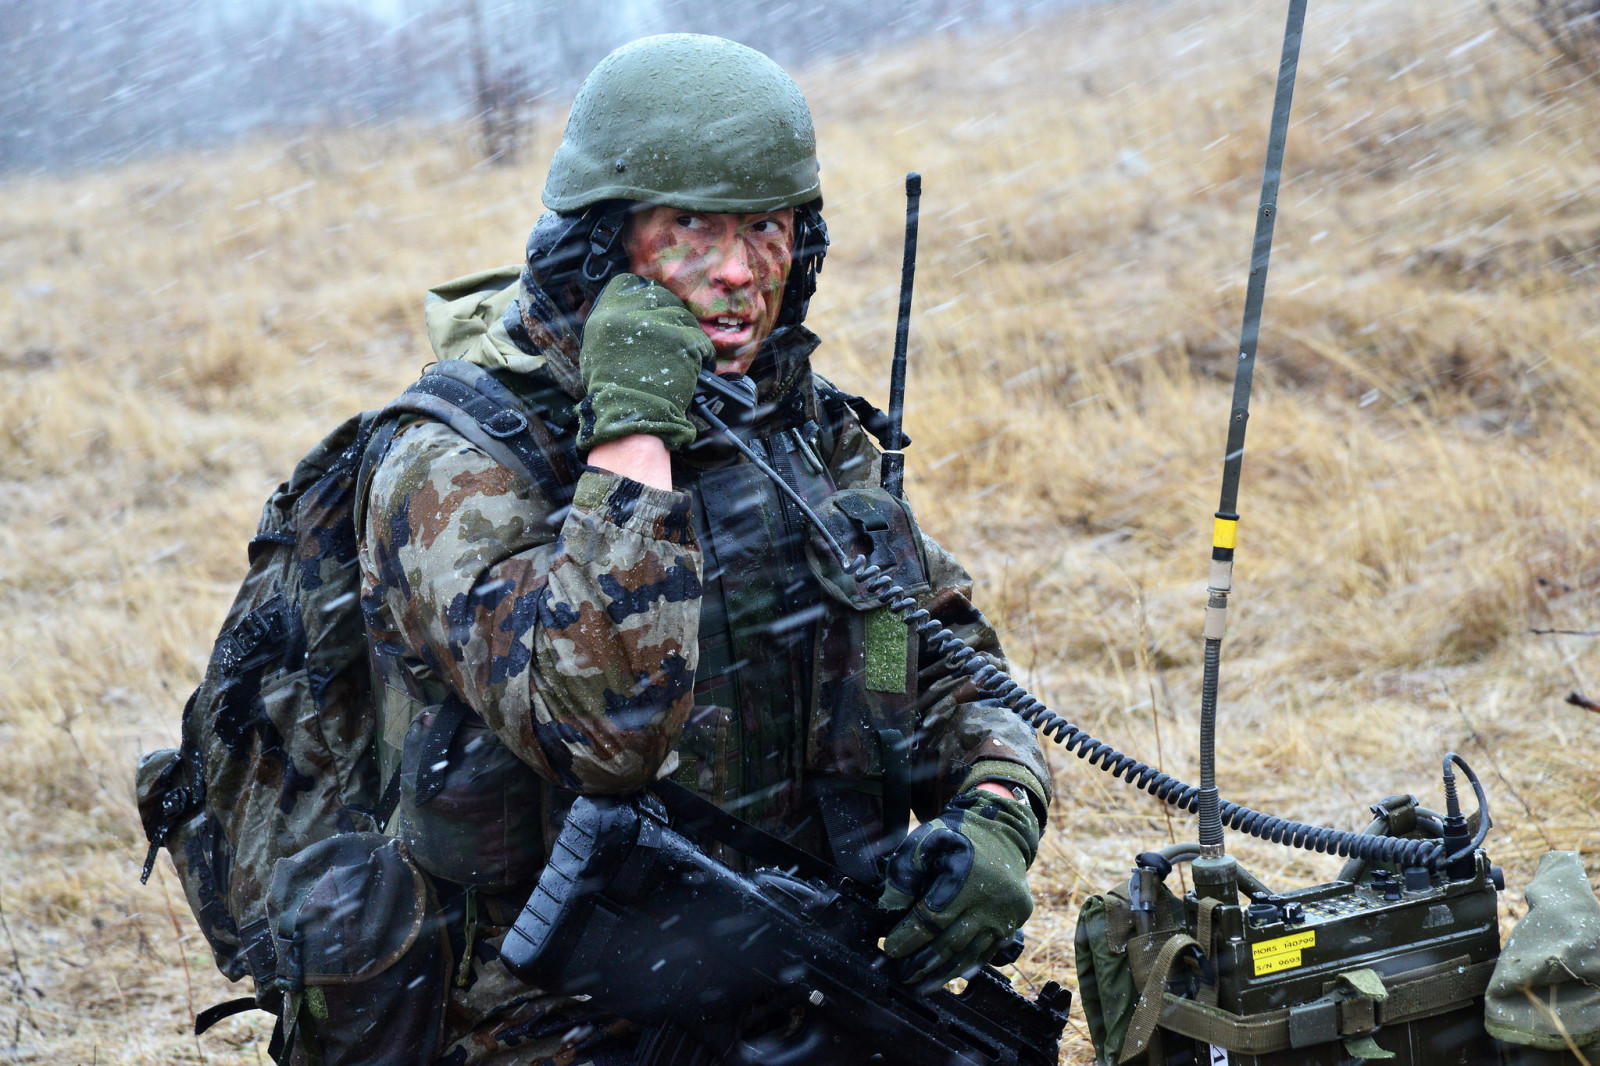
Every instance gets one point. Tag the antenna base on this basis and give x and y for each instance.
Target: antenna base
(1216, 877)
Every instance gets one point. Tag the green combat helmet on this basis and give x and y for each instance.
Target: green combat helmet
(689, 121)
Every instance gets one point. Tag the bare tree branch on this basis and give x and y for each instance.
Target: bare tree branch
(1578, 699)
(1516, 34)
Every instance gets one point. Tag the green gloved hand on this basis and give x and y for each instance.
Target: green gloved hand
(642, 351)
(964, 878)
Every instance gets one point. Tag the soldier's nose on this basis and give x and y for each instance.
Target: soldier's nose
(733, 266)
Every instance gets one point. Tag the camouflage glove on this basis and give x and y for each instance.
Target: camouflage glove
(964, 878)
(642, 351)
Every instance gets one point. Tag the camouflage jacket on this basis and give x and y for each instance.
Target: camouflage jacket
(574, 635)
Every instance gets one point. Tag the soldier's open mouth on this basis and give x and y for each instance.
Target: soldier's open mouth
(727, 329)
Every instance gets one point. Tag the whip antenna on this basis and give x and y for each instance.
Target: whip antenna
(894, 457)
(1216, 875)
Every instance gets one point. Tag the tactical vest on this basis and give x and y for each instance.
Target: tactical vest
(804, 695)
(803, 712)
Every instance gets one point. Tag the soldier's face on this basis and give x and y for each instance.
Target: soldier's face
(728, 269)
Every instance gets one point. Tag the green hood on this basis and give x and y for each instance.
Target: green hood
(465, 319)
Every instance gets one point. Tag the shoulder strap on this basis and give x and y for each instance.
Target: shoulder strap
(377, 447)
(835, 402)
(388, 801)
(1343, 1012)
(469, 400)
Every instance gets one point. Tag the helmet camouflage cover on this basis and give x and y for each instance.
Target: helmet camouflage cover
(689, 121)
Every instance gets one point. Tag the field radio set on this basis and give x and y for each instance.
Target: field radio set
(1389, 963)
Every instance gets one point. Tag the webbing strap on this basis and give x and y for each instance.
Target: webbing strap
(290, 1019)
(214, 1014)
(276, 1049)
(1445, 986)
(511, 438)
(1456, 982)
(1256, 1034)
(388, 801)
(1203, 934)
(1153, 987)
(503, 395)
(846, 828)
(377, 447)
(433, 761)
(1152, 996)
(896, 788)
(1119, 924)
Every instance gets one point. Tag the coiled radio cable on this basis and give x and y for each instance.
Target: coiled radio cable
(1000, 686)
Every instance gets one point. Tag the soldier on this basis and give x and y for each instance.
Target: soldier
(671, 619)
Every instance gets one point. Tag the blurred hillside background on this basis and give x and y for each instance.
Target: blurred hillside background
(216, 227)
(100, 81)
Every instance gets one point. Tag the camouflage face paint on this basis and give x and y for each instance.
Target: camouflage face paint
(728, 269)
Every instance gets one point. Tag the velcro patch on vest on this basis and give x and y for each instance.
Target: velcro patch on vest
(886, 653)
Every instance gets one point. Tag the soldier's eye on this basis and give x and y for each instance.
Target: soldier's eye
(691, 221)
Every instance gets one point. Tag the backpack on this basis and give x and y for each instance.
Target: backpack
(278, 745)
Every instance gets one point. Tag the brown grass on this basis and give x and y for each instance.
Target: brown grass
(1419, 489)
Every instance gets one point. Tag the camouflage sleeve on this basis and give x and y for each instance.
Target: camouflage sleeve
(576, 643)
(962, 738)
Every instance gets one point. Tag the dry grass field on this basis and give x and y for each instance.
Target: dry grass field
(1420, 490)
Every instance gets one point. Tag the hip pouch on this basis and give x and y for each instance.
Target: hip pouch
(363, 958)
(470, 810)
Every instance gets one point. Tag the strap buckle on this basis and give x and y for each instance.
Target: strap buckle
(596, 265)
(505, 423)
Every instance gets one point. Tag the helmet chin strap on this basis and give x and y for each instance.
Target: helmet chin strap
(607, 257)
(810, 248)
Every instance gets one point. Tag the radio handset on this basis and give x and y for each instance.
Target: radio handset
(729, 397)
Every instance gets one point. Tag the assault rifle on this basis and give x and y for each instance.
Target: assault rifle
(778, 968)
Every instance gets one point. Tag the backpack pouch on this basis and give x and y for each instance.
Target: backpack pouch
(171, 808)
(362, 954)
(1112, 959)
